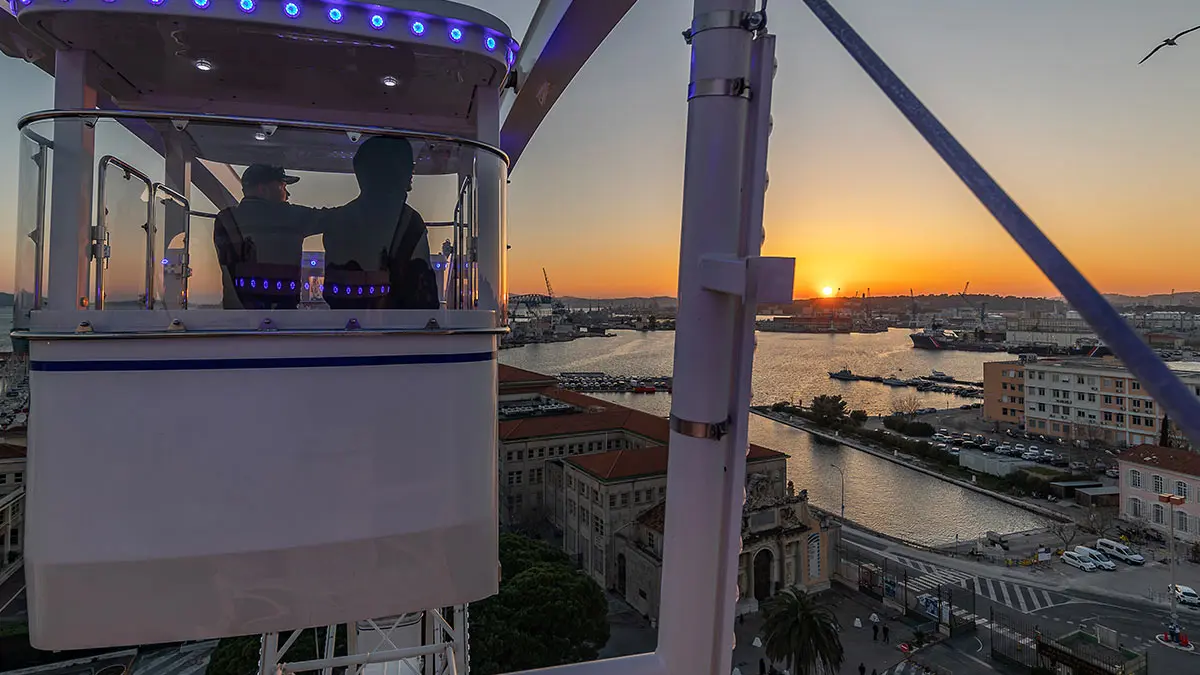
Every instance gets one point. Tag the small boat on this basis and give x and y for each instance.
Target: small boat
(940, 376)
(894, 382)
(644, 390)
(843, 374)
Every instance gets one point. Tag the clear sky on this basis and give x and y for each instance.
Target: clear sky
(1103, 153)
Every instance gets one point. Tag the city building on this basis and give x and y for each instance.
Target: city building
(597, 472)
(1082, 399)
(12, 479)
(1150, 470)
(1004, 391)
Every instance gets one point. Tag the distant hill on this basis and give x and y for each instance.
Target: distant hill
(658, 301)
(1181, 299)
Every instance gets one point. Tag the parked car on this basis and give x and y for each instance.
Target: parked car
(980, 439)
(1119, 551)
(1096, 558)
(970, 445)
(1184, 594)
(1112, 472)
(1031, 456)
(1075, 560)
(1004, 449)
(988, 447)
(945, 432)
(1020, 448)
(1060, 461)
(1078, 466)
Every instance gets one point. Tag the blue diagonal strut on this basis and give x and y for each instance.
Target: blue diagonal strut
(1154, 375)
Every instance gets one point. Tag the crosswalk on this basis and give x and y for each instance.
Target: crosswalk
(1024, 598)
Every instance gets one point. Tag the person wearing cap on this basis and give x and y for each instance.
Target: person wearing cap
(260, 241)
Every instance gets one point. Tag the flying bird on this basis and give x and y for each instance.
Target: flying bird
(1169, 42)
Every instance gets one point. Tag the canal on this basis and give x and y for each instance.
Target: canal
(880, 495)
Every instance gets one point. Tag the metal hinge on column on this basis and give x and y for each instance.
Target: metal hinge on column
(726, 18)
(710, 430)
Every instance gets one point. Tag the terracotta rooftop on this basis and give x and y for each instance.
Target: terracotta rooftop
(616, 465)
(10, 451)
(1168, 459)
(655, 517)
(509, 374)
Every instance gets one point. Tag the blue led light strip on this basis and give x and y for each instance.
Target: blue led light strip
(1182, 405)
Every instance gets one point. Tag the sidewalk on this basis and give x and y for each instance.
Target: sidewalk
(856, 642)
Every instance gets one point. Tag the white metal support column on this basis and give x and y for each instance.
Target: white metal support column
(699, 566)
(489, 189)
(71, 185)
(179, 178)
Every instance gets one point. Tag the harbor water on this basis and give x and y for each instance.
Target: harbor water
(880, 495)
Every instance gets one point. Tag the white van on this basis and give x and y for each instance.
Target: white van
(1096, 557)
(1119, 551)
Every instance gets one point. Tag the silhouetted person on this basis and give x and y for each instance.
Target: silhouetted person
(762, 667)
(381, 259)
(874, 632)
(260, 241)
(862, 669)
(886, 630)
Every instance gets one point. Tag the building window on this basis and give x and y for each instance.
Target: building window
(1004, 386)
(1107, 398)
(1121, 400)
(624, 499)
(1004, 412)
(1078, 379)
(1135, 402)
(1160, 514)
(1181, 521)
(1181, 489)
(1107, 382)
(1107, 417)
(520, 455)
(508, 456)
(1120, 418)
(1157, 482)
(1136, 419)
(662, 493)
(1135, 478)
(1079, 396)
(637, 496)
(1149, 406)
(612, 501)
(1135, 508)
(650, 539)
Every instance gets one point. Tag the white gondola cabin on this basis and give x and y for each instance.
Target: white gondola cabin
(233, 443)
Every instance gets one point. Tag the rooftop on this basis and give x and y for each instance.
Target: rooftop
(1107, 364)
(10, 451)
(654, 517)
(1169, 459)
(617, 465)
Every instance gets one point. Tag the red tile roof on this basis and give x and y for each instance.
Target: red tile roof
(617, 465)
(509, 374)
(655, 517)
(1168, 459)
(10, 451)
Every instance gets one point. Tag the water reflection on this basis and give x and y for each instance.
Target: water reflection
(879, 494)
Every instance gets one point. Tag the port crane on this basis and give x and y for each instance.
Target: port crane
(982, 307)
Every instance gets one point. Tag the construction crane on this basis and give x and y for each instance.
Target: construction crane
(913, 308)
(557, 308)
(981, 306)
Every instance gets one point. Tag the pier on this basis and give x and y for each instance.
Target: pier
(940, 385)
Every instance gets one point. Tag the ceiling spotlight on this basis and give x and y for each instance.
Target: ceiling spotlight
(260, 136)
(204, 65)
(389, 81)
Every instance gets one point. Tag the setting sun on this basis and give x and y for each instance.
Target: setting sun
(827, 291)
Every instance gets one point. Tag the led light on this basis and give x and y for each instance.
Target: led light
(334, 289)
(166, 262)
(204, 65)
(371, 290)
(202, 4)
(260, 136)
(253, 283)
(246, 5)
(456, 34)
(306, 286)
(292, 10)
(335, 15)
(509, 57)
(312, 263)
(490, 43)
(293, 285)
(417, 28)
(360, 290)
(26, 2)
(376, 23)
(389, 81)
(157, 2)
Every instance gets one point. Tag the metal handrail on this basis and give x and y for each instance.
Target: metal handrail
(237, 120)
(152, 270)
(100, 238)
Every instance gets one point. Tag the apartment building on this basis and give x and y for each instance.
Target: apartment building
(1082, 398)
(1004, 391)
(1148, 471)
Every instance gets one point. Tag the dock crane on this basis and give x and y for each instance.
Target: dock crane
(981, 306)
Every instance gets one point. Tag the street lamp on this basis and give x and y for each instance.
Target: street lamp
(844, 490)
(1172, 500)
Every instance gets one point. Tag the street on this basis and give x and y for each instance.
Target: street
(1055, 598)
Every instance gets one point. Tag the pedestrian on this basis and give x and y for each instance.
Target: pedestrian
(886, 639)
(874, 632)
(862, 669)
(762, 667)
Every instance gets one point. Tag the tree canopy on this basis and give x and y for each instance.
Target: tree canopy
(802, 633)
(547, 613)
(828, 410)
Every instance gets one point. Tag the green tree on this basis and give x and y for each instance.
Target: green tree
(1164, 438)
(802, 633)
(828, 410)
(858, 417)
(547, 613)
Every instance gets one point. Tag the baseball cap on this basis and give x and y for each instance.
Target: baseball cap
(257, 174)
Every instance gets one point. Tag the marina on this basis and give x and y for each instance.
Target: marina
(937, 382)
(596, 382)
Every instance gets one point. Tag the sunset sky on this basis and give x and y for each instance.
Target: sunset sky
(1103, 153)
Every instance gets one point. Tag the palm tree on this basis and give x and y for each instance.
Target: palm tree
(802, 633)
